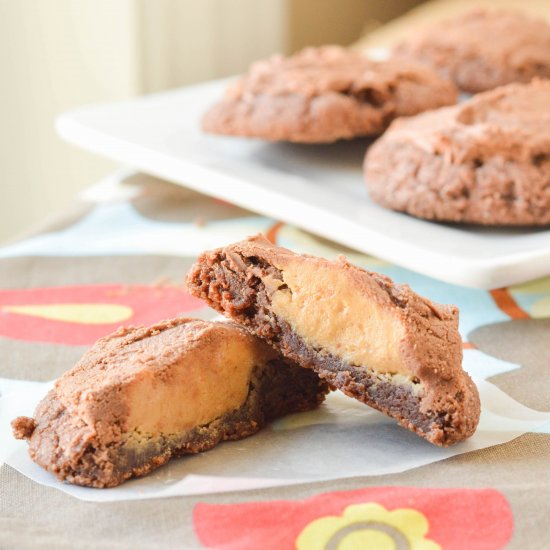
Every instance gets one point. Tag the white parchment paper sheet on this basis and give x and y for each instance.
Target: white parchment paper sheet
(343, 438)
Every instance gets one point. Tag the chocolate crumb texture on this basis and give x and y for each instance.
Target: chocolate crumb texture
(23, 427)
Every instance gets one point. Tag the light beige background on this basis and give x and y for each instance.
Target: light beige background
(59, 54)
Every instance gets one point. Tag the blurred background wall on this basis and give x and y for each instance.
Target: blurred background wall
(58, 54)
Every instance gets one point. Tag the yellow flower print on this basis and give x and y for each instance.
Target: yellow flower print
(368, 527)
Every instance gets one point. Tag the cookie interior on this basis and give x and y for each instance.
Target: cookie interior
(377, 342)
(141, 396)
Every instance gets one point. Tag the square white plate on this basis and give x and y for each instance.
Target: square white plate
(317, 187)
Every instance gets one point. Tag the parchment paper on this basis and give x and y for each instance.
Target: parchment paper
(343, 438)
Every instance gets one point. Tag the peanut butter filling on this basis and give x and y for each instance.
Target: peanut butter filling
(327, 310)
(164, 383)
(205, 385)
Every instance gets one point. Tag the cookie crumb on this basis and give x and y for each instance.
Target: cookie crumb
(23, 427)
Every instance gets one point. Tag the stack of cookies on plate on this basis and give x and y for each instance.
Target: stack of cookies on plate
(484, 159)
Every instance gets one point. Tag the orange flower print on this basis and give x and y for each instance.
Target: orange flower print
(368, 527)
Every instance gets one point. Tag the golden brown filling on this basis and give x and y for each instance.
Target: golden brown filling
(324, 307)
(205, 385)
(189, 393)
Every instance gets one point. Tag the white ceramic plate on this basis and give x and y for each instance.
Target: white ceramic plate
(317, 187)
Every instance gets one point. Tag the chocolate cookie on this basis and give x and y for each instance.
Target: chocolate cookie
(484, 49)
(143, 395)
(486, 161)
(376, 341)
(325, 94)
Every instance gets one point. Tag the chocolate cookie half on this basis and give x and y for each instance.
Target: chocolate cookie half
(376, 341)
(325, 94)
(143, 395)
(484, 49)
(485, 161)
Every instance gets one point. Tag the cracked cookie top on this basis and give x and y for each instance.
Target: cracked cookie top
(325, 94)
(484, 49)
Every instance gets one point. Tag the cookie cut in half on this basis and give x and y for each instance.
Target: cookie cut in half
(144, 395)
(376, 341)
(325, 94)
(483, 49)
(485, 161)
